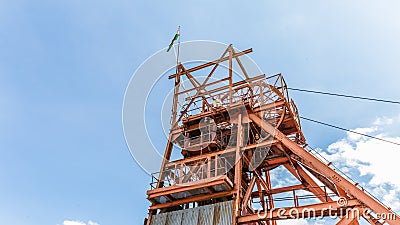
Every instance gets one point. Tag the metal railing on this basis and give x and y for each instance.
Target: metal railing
(252, 92)
(295, 197)
(184, 172)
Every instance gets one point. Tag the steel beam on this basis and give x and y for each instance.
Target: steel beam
(325, 170)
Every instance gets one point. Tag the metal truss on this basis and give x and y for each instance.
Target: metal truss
(234, 136)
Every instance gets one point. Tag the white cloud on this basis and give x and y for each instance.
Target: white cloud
(74, 222)
(355, 137)
(92, 223)
(383, 121)
(71, 222)
(373, 161)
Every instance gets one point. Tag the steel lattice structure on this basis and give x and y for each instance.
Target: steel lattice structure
(232, 136)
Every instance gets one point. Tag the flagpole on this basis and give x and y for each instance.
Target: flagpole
(173, 119)
(179, 45)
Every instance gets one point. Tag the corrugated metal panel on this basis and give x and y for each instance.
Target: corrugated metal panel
(206, 214)
(214, 214)
(159, 219)
(190, 217)
(225, 213)
(174, 218)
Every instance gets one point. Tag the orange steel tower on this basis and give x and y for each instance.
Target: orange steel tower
(232, 136)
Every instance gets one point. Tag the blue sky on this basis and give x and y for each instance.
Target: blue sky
(64, 67)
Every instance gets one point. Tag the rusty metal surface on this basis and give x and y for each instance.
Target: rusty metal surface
(232, 138)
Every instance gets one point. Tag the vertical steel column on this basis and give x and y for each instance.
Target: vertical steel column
(238, 170)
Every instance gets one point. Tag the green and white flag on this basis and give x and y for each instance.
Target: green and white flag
(176, 37)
